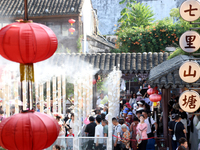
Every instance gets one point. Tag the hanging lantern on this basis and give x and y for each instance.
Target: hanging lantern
(72, 21)
(28, 131)
(149, 86)
(72, 30)
(26, 42)
(94, 81)
(155, 98)
(152, 91)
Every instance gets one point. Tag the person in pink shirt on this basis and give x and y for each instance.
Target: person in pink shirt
(142, 131)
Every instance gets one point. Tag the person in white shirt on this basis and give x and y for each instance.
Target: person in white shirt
(100, 99)
(98, 133)
(149, 122)
(132, 100)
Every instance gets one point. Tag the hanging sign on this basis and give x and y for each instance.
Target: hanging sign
(189, 101)
(190, 10)
(189, 41)
(189, 72)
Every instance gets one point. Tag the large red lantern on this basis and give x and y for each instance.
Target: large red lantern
(152, 91)
(27, 42)
(28, 131)
(71, 21)
(72, 30)
(155, 97)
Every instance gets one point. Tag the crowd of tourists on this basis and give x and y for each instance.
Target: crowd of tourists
(181, 124)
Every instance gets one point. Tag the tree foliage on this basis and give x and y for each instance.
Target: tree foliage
(147, 36)
(136, 15)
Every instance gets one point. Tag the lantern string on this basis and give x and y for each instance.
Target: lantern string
(25, 11)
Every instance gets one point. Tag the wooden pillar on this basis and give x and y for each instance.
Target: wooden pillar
(87, 96)
(6, 97)
(24, 95)
(94, 95)
(165, 98)
(36, 95)
(75, 139)
(79, 105)
(59, 94)
(48, 97)
(91, 92)
(54, 95)
(84, 99)
(63, 94)
(16, 97)
(41, 99)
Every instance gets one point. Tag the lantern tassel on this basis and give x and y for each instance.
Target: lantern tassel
(154, 104)
(26, 72)
(71, 24)
(71, 32)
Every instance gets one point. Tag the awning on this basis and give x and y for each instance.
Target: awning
(166, 74)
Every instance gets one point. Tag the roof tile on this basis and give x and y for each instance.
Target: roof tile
(10, 8)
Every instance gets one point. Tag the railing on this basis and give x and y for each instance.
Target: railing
(84, 143)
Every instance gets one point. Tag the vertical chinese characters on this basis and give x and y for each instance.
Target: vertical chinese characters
(190, 10)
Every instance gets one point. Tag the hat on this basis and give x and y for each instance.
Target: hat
(130, 113)
(140, 103)
(140, 109)
(124, 112)
(128, 105)
(173, 116)
(126, 109)
(139, 99)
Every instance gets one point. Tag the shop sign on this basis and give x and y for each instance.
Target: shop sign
(189, 71)
(190, 10)
(189, 41)
(189, 101)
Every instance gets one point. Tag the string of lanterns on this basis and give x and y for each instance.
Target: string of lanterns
(153, 95)
(71, 21)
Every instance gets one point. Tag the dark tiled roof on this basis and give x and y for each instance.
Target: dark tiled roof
(15, 8)
(101, 40)
(166, 74)
(129, 62)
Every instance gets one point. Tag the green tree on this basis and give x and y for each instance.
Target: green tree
(154, 37)
(135, 15)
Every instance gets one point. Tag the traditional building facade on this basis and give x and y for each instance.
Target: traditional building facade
(56, 14)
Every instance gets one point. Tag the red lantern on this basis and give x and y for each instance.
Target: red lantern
(94, 81)
(28, 131)
(155, 97)
(71, 21)
(72, 30)
(27, 43)
(151, 91)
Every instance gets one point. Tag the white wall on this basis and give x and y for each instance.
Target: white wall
(87, 17)
(88, 23)
(108, 11)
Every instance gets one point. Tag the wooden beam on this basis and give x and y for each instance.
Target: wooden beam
(165, 98)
